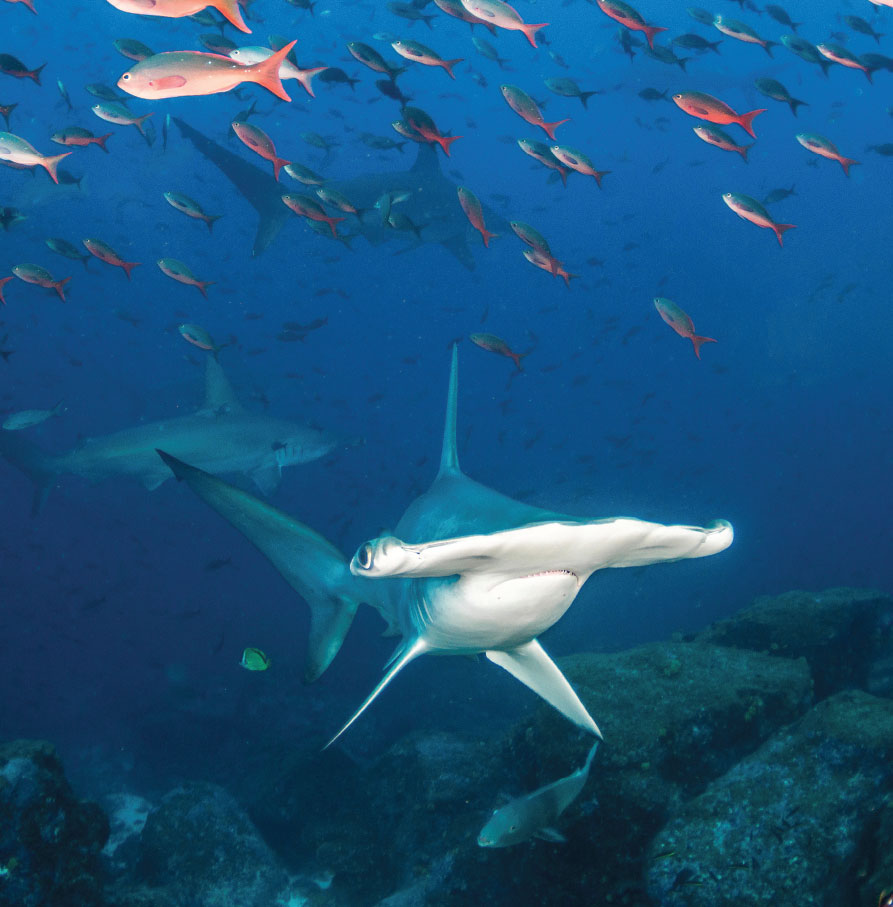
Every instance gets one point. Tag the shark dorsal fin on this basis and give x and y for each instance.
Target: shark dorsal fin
(449, 457)
(426, 162)
(218, 392)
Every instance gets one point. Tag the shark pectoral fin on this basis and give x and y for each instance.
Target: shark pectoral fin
(551, 834)
(409, 653)
(532, 666)
(313, 567)
(267, 478)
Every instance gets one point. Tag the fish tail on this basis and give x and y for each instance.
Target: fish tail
(58, 285)
(36, 463)
(138, 122)
(487, 236)
(563, 172)
(52, 162)
(35, 73)
(129, 266)
(714, 46)
(742, 150)
(768, 45)
(551, 127)
(445, 141)
(102, 139)
(203, 286)
(846, 163)
(697, 340)
(230, 11)
(584, 97)
(826, 65)
(210, 220)
(308, 563)
(266, 73)
(331, 221)
(781, 229)
(794, 104)
(530, 31)
(598, 174)
(745, 121)
(306, 78)
(867, 72)
(278, 164)
(651, 31)
(682, 61)
(449, 64)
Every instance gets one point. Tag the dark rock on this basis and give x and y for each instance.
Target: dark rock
(49, 840)
(202, 846)
(840, 632)
(787, 824)
(674, 717)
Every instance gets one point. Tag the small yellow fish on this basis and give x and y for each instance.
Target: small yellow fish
(254, 660)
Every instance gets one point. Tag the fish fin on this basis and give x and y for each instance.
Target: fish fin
(846, 163)
(531, 665)
(551, 127)
(38, 465)
(697, 340)
(230, 11)
(449, 455)
(551, 834)
(219, 394)
(745, 121)
(781, 229)
(530, 29)
(266, 73)
(312, 566)
(267, 479)
(650, 32)
(409, 653)
(51, 162)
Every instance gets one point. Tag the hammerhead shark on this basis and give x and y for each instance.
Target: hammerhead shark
(222, 436)
(483, 574)
(431, 204)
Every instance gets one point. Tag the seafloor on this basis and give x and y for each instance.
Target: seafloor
(751, 764)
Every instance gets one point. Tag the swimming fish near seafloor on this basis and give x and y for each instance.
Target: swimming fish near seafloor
(534, 815)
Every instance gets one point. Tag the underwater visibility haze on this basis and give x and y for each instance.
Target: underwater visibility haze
(446, 307)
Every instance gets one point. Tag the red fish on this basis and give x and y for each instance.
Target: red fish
(40, 277)
(258, 141)
(3, 282)
(472, 207)
(493, 344)
(104, 252)
(549, 263)
(19, 153)
(190, 73)
(818, 144)
(750, 209)
(307, 207)
(421, 123)
(12, 66)
(528, 109)
(629, 18)
(706, 107)
(495, 12)
(27, 3)
(75, 135)
(177, 9)
(680, 323)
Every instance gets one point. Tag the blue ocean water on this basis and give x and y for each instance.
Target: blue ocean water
(125, 612)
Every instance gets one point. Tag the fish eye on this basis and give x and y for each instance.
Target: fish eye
(364, 556)
(125, 77)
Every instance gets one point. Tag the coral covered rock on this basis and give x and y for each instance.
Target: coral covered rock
(786, 824)
(49, 840)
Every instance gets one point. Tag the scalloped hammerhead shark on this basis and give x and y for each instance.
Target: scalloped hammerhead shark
(431, 202)
(482, 574)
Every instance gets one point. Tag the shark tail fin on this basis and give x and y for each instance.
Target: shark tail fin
(530, 664)
(312, 566)
(408, 654)
(30, 459)
(449, 455)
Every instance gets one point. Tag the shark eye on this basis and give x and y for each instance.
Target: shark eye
(364, 556)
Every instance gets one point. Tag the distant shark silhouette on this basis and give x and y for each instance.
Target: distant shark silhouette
(432, 206)
(484, 573)
(222, 436)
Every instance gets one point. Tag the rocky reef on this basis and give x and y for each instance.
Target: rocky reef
(749, 764)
